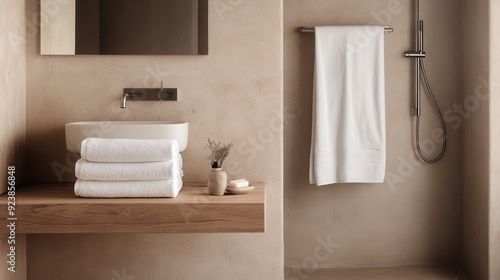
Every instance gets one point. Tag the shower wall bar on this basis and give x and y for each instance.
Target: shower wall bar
(387, 29)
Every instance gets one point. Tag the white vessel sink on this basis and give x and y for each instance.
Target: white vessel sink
(76, 132)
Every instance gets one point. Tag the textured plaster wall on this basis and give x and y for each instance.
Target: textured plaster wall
(415, 216)
(233, 95)
(494, 140)
(12, 88)
(12, 116)
(476, 138)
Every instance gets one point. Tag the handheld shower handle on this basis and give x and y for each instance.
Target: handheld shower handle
(420, 36)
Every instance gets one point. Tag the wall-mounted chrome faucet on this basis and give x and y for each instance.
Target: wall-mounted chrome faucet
(124, 100)
(148, 94)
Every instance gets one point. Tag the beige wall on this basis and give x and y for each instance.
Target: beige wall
(476, 129)
(232, 95)
(12, 116)
(20, 261)
(12, 89)
(494, 261)
(412, 218)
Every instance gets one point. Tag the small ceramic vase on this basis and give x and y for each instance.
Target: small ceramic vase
(217, 181)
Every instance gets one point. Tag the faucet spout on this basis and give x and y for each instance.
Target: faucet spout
(124, 100)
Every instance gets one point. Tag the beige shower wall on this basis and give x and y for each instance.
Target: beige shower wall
(476, 140)
(412, 218)
(233, 95)
(12, 118)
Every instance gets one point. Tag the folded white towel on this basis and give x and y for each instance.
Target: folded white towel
(129, 150)
(127, 171)
(348, 132)
(157, 188)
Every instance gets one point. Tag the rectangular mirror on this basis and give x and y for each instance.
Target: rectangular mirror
(124, 27)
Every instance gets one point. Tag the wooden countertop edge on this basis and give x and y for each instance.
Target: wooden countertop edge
(53, 208)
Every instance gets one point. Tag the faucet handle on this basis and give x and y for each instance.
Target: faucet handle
(161, 91)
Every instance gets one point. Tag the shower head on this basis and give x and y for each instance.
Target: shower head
(420, 35)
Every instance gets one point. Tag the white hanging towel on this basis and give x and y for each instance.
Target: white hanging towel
(348, 142)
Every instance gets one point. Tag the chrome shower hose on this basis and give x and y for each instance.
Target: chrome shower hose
(441, 119)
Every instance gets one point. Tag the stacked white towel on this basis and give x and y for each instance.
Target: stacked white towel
(129, 168)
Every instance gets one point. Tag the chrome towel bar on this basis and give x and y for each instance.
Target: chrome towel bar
(387, 29)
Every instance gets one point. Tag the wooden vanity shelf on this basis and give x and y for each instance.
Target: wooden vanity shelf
(54, 208)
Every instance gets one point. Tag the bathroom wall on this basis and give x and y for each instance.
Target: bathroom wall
(476, 137)
(13, 93)
(233, 95)
(12, 118)
(414, 217)
(494, 139)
